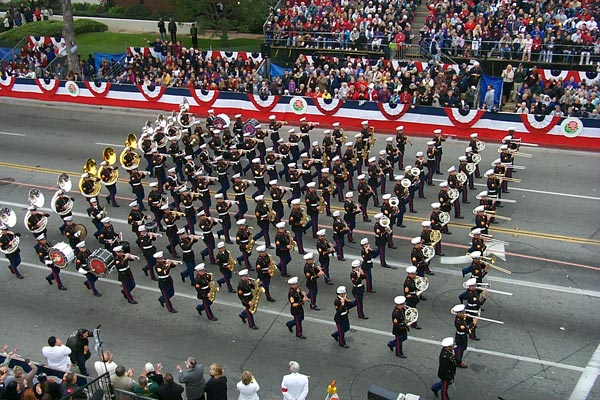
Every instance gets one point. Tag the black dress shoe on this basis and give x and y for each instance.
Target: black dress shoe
(162, 303)
(402, 356)
(301, 337)
(19, 276)
(62, 288)
(232, 291)
(417, 327)
(367, 220)
(271, 300)
(199, 312)
(242, 318)
(466, 202)
(315, 308)
(499, 205)
(401, 226)
(460, 217)
(364, 317)
(155, 279)
(393, 247)
(289, 328)
(372, 291)
(182, 278)
(441, 254)
(132, 301)
(414, 211)
(49, 281)
(254, 327)
(344, 346)
(390, 347)
(435, 393)
(214, 319)
(448, 233)
(423, 298)
(430, 273)
(173, 311)
(475, 338)
(506, 192)
(98, 294)
(329, 282)
(145, 271)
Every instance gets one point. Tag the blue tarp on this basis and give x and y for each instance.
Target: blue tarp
(7, 54)
(276, 70)
(98, 57)
(496, 84)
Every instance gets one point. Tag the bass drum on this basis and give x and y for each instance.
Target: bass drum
(102, 262)
(61, 254)
(221, 122)
(251, 126)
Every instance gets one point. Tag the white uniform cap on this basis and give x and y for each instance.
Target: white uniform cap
(141, 228)
(327, 132)
(219, 196)
(419, 154)
(473, 135)
(437, 131)
(202, 146)
(400, 128)
(435, 205)
(451, 169)
(259, 197)
(321, 232)
(295, 202)
(358, 135)
(476, 231)
(411, 270)
(361, 176)
(158, 254)
(356, 263)
(220, 245)
(507, 138)
(341, 290)
(153, 184)
(378, 215)
(336, 158)
(164, 207)
(303, 119)
(280, 225)
(426, 224)
(483, 193)
(243, 272)
(85, 175)
(247, 134)
(211, 111)
(273, 182)
(496, 161)
(272, 117)
(280, 141)
(311, 185)
(171, 170)
(304, 155)
(315, 143)
(416, 240)
(382, 152)
(389, 139)
(199, 267)
(133, 204)
(105, 220)
(241, 222)
(238, 115)
(398, 177)
(468, 149)
(489, 172)
(462, 158)
(293, 280)
(504, 147)
(349, 195)
(458, 308)
(41, 237)
(181, 231)
(32, 208)
(118, 248)
(364, 241)
(336, 213)
(93, 200)
(104, 163)
(236, 176)
(364, 123)
(444, 184)
(218, 158)
(256, 160)
(372, 159)
(292, 165)
(291, 130)
(472, 282)
(336, 124)
(479, 209)
(399, 300)
(80, 245)
(448, 342)
(325, 171)
(475, 254)
(269, 149)
(431, 143)
(408, 168)
(69, 218)
(261, 248)
(348, 144)
(387, 196)
(308, 256)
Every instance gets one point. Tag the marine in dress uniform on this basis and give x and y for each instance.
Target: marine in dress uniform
(399, 327)
(462, 167)
(81, 262)
(239, 187)
(364, 194)
(386, 168)
(262, 220)
(410, 291)
(135, 218)
(222, 167)
(177, 157)
(173, 185)
(283, 246)
(305, 128)
(420, 164)
(402, 194)
(461, 337)
(125, 276)
(96, 213)
(325, 249)
(401, 140)
(430, 162)
(61, 206)
(146, 243)
(388, 211)
(42, 248)
(277, 194)
(170, 219)
(258, 174)
(340, 229)
(158, 165)
(202, 285)
(275, 126)
(165, 282)
(339, 176)
(186, 243)
(474, 298)
(473, 145)
(367, 254)
(326, 186)
(477, 242)
(351, 209)
(35, 219)
(155, 203)
(381, 238)
(223, 256)
(312, 201)
(350, 159)
(312, 273)
(72, 234)
(245, 292)
(242, 238)
(295, 220)
(263, 264)
(342, 306)
(206, 225)
(14, 258)
(108, 237)
(203, 189)
(270, 159)
(481, 220)
(338, 136)
(374, 173)
(296, 299)
(446, 369)
(439, 140)
(187, 199)
(222, 208)
(294, 182)
(357, 276)
(106, 174)
(471, 178)
(392, 154)
(454, 184)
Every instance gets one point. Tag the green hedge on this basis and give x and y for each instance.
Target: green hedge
(48, 28)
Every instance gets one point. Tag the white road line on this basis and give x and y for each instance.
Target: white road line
(402, 266)
(12, 134)
(331, 323)
(109, 144)
(586, 381)
(576, 196)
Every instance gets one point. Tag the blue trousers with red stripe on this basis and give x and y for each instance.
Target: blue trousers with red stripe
(226, 279)
(127, 287)
(55, 275)
(358, 298)
(396, 343)
(205, 306)
(459, 351)
(246, 314)
(297, 322)
(167, 291)
(284, 260)
(312, 295)
(443, 386)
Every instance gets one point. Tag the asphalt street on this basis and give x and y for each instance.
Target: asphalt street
(544, 350)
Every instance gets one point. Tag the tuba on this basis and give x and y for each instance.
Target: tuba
(411, 315)
(422, 284)
(90, 186)
(185, 118)
(129, 158)
(256, 293)
(36, 199)
(110, 157)
(428, 253)
(8, 217)
(213, 288)
(415, 171)
(435, 236)
(444, 218)
(64, 183)
(394, 202)
(406, 183)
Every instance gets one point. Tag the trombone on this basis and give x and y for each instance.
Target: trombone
(507, 179)
(490, 238)
(486, 287)
(489, 261)
(493, 214)
(517, 153)
(476, 314)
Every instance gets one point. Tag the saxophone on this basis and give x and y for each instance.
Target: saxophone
(213, 288)
(231, 262)
(256, 293)
(272, 266)
(292, 245)
(272, 215)
(345, 173)
(304, 219)
(250, 246)
(322, 205)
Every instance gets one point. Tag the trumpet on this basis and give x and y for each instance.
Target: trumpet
(152, 234)
(132, 256)
(486, 287)
(173, 262)
(507, 179)
(476, 314)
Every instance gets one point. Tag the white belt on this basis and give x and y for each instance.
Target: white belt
(314, 204)
(264, 215)
(223, 213)
(344, 313)
(243, 241)
(189, 207)
(359, 285)
(460, 333)
(148, 247)
(279, 201)
(222, 173)
(247, 294)
(123, 270)
(205, 287)
(164, 277)
(170, 226)
(135, 184)
(187, 251)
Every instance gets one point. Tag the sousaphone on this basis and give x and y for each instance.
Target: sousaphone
(129, 158)
(64, 183)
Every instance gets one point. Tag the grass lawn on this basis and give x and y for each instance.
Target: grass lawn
(108, 42)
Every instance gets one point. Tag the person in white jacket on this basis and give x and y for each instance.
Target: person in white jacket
(57, 354)
(248, 387)
(295, 385)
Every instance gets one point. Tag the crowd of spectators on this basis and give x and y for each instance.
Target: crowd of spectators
(25, 14)
(538, 31)
(23, 382)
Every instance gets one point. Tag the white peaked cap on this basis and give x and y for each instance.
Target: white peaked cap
(399, 300)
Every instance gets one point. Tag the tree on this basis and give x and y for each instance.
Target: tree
(69, 36)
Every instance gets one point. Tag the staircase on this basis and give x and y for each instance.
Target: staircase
(412, 52)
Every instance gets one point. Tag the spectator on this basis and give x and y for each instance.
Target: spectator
(57, 354)
(69, 387)
(248, 387)
(79, 344)
(170, 390)
(162, 30)
(146, 387)
(193, 379)
(173, 30)
(122, 380)
(152, 374)
(490, 97)
(106, 364)
(522, 108)
(508, 77)
(194, 35)
(294, 386)
(216, 387)
(11, 391)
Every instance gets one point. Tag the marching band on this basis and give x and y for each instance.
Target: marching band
(320, 171)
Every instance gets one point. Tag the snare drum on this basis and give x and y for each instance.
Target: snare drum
(102, 262)
(151, 227)
(61, 254)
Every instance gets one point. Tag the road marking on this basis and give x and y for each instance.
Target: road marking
(109, 144)
(586, 381)
(12, 134)
(331, 323)
(518, 189)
